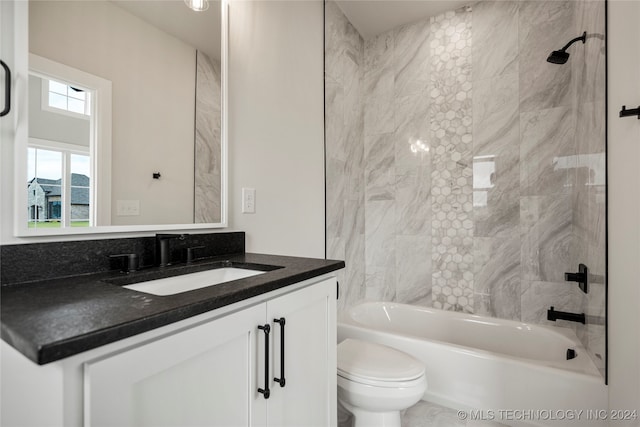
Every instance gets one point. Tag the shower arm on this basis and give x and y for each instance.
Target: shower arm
(583, 37)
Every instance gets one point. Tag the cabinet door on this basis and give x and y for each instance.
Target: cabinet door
(202, 376)
(309, 395)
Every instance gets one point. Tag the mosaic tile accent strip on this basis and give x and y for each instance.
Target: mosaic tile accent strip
(452, 174)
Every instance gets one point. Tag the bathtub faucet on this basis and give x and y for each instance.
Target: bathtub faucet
(563, 315)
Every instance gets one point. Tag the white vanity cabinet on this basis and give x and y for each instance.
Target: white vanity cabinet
(202, 374)
(198, 377)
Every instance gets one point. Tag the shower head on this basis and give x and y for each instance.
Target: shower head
(558, 57)
(561, 56)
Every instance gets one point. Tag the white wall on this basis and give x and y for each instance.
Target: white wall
(144, 65)
(276, 124)
(624, 208)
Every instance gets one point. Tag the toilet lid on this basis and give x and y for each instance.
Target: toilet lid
(365, 360)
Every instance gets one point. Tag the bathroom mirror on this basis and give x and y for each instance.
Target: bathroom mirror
(126, 118)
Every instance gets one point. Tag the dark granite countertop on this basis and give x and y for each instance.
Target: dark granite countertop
(52, 319)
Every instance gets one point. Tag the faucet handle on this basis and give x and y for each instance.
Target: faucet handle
(131, 263)
(190, 252)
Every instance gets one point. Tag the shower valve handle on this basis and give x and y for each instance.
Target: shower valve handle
(582, 277)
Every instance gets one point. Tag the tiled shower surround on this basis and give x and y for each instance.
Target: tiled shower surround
(465, 172)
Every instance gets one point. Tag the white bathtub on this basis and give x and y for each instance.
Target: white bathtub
(499, 370)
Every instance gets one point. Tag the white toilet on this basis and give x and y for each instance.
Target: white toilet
(376, 382)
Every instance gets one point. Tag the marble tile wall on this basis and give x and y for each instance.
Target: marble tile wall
(397, 166)
(496, 159)
(483, 164)
(207, 176)
(344, 115)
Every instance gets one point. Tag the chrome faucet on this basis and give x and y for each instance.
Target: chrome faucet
(163, 252)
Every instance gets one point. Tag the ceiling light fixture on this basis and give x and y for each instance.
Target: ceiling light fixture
(197, 5)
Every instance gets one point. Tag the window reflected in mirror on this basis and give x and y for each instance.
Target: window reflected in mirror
(59, 188)
(59, 185)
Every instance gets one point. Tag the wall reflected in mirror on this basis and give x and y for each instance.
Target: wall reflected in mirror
(163, 63)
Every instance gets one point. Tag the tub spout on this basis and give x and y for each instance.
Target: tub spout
(563, 315)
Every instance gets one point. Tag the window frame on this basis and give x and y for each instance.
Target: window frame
(100, 148)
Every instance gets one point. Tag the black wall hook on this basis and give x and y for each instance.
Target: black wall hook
(156, 175)
(632, 112)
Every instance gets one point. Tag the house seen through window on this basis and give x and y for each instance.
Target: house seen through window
(59, 188)
(59, 180)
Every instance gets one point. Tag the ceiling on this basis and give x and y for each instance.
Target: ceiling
(198, 29)
(373, 17)
(369, 17)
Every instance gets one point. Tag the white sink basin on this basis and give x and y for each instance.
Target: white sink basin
(188, 282)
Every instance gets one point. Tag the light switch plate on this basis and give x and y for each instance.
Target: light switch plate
(248, 200)
(128, 207)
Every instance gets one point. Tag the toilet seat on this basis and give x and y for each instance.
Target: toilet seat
(377, 365)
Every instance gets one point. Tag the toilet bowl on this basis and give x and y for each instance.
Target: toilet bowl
(376, 382)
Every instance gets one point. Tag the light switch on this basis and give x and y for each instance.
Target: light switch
(248, 200)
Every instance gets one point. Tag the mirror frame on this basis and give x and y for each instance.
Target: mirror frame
(21, 228)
